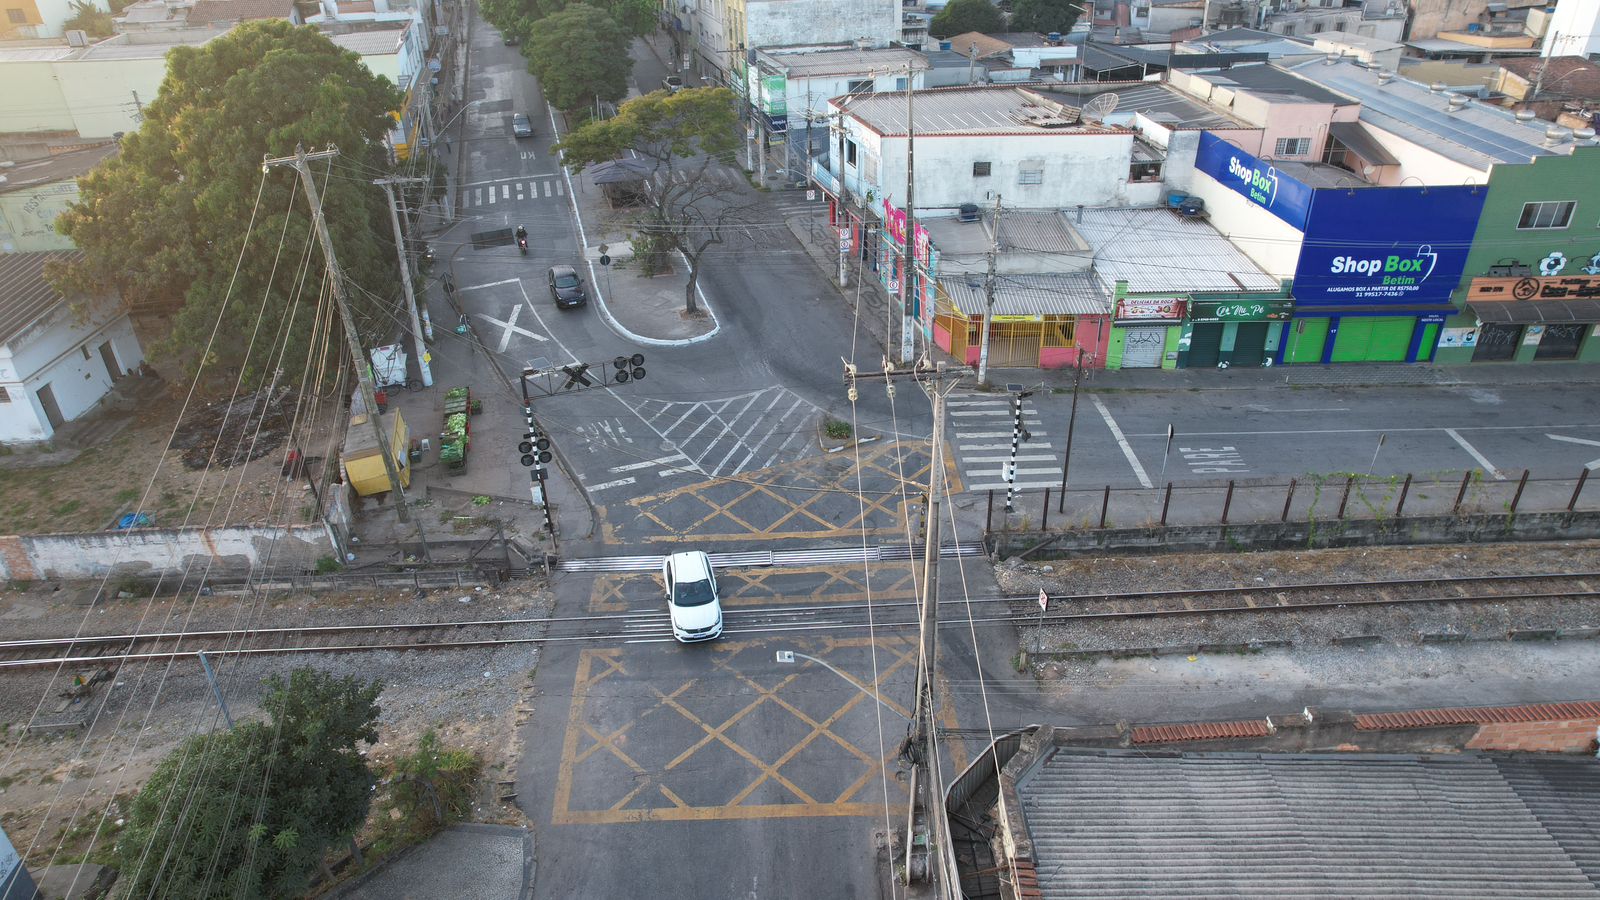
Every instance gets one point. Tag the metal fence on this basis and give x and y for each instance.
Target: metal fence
(1310, 498)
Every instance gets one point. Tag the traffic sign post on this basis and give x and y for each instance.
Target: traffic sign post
(1044, 604)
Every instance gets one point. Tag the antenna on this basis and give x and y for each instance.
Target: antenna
(1100, 107)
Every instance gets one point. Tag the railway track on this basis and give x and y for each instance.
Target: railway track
(650, 624)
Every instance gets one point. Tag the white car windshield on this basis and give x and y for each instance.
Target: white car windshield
(693, 593)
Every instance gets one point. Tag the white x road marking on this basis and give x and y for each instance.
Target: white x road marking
(505, 336)
(1593, 464)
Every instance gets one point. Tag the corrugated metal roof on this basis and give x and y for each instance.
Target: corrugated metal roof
(997, 109)
(1474, 135)
(1356, 137)
(1154, 250)
(58, 167)
(371, 43)
(1078, 294)
(24, 294)
(802, 64)
(1119, 823)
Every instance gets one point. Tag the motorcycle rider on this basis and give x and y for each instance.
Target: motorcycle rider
(522, 239)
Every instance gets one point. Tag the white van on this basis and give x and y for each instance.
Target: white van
(692, 601)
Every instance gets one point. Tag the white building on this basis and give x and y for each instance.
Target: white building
(723, 33)
(792, 86)
(1574, 30)
(34, 192)
(55, 364)
(27, 19)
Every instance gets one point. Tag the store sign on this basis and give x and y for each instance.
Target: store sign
(1534, 288)
(1390, 245)
(1254, 179)
(1017, 319)
(1164, 308)
(894, 224)
(1458, 337)
(1242, 311)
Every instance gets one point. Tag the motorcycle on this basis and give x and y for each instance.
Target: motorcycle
(522, 244)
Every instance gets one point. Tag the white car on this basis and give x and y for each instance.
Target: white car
(692, 596)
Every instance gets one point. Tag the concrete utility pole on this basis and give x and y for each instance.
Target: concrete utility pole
(908, 266)
(417, 344)
(926, 817)
(299, 162)
(988, 297)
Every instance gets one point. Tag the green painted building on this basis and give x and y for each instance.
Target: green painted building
(1530, 291)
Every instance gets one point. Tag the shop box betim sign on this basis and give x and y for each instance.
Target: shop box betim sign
(1386, 245)
(1256, 180)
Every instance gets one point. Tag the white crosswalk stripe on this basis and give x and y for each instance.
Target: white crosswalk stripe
(732, 435)
(980, 430)
(534, 189)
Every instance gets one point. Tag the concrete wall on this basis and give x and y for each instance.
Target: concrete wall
(100, 92)
(776, 23)
(1423, 163)
(27, 217)
(32, 98)
(152, 551)
(1574, 29)
(1272, 243)
(805, 96)
(52, 353)
(1091, 169)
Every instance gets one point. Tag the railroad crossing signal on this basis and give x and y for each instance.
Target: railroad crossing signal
(551, 380)
(534, 447)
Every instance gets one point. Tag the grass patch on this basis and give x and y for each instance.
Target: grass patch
(837, 429)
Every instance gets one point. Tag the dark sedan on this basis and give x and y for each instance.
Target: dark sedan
(566, 288)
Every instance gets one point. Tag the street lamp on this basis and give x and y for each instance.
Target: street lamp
(470, 104)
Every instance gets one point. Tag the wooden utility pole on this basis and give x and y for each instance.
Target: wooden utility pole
(988, 297)
(417, 345)
(299, 161)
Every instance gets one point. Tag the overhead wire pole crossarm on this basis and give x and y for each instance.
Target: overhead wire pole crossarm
(417, 343)
(300, 163)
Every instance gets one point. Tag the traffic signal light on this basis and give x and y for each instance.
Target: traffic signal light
(629, 368)
(534, 447)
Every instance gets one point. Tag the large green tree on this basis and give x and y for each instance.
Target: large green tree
(164, 221)
(962, 16)
(1043, 16)
(517, 17)
(252, 811)
(579, 54)
(681, 137)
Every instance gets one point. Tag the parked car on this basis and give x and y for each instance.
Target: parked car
(692, 601)
(672, 83)
(521, 125)
(566, 287)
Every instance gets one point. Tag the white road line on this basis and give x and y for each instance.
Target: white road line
(1005, 403)
(1031, 445)
(648, 463)
(610, 484)
(477, 197)
(489, 284)
(1001, 459)
(1001, 471)
(491, 195)
(665, 472)
(988, 434)
(1116, 432)
(1420, 429)
(738, 441)
(1005, 411)
(685, 415)
(505, 192)
(479, 184)
(776, 396)
(561, 189)
(1021, 486)
(505, 338)
(779, 452)
(547, 188)
(1592, 465)
(1473, 452)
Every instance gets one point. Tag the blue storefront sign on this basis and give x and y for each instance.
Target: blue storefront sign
(1254, 179)
(1386, 245)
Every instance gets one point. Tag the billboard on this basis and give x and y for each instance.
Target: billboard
(1256, 180)
(1386, 245)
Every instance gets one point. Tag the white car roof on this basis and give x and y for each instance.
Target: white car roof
(690, 565)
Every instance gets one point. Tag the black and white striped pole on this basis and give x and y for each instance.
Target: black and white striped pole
(1018, 435)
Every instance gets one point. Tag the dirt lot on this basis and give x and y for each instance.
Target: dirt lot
(88, 492)
(57, 790)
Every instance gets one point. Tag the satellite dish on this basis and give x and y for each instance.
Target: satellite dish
(1368, 170)
(1100, 107)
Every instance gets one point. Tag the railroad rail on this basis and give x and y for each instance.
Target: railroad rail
(650, 623)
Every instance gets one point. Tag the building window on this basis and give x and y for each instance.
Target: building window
(899, 84)
(1144, 172)
(1288, 28)
(849, 152)
(84, 350)
(17, 16)
(1292, 147)
(859, 85)
(1339, 25)
(5, 395)
(1550, 214)
(1030, 176)
(980, 170)
(1316, 28)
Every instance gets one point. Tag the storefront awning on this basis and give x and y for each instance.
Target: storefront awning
(1533, 312)
(1076, 294)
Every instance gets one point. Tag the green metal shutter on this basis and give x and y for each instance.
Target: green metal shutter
(1391, 339)
(1248, 344)
(1305, 340)
(1205, 346)
(1353, 340)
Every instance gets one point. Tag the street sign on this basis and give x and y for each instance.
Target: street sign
(605, 260)
(811, 195)
(1044, 600)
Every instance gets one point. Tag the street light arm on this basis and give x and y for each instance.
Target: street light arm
(470, 104)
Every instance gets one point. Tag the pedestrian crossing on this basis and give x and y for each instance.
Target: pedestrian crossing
(485, 195)
(980, 426)
(728, 436)
(794, 203)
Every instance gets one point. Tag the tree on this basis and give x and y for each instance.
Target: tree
(579, 55)
(681, 136)
(962, 16)
(163, 222)
(90, 18)
(517, 17)
(252, 811)
(1043, 16)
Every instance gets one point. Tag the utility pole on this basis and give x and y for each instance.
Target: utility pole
(1072, 422)
(1018, 435)
(846, 233)
(417, 344)
(926, 816)
(908, 265)
(988, 297)
(299, 161)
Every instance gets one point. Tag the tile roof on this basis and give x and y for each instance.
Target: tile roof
(1192, 255)
(1118, 824)
(1075, 294)
(25, 296)
(1476, 715)
(371, 42)
(208, 12)
(1565, 77)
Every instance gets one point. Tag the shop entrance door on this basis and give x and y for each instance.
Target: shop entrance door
(1205, 346)
(1248, 344)
(1560, 341)
(1142, 347)
(1497, 341)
